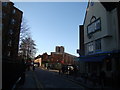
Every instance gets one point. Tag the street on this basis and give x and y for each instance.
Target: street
(49, 79)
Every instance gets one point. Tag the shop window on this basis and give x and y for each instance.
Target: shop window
(98, 45)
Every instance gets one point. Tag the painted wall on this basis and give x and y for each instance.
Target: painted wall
(109, 28)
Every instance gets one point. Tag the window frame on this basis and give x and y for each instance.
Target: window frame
(4, 4)
(9, 53)
(11, 31)
(93, 24)
(98, 45)
(90, 45)
(10, 43)
(13, 21)
(14, 11)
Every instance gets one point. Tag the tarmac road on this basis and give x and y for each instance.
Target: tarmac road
(47, 79)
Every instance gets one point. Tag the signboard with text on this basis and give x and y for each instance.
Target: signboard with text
(94, 26)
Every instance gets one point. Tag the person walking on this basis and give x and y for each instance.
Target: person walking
(75, 70)
(63, 69)
(33, 67)
(59, 71)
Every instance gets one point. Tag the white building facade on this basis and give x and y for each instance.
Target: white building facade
(102, 38)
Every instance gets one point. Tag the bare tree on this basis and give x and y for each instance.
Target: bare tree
(24, 30)
(28, 48)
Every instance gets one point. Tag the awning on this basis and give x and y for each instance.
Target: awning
(93, 58)
(106, 52)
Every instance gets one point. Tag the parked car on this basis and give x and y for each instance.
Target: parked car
(70, 69)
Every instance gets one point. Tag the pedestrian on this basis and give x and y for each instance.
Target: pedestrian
(63, 69)
(38, 64)
(48, 67)
(33, 67)
(70, 71)
(59, 71)
(75, 71)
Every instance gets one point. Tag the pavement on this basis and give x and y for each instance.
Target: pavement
(31, 82)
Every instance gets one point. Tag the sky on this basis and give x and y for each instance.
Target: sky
(54, 24)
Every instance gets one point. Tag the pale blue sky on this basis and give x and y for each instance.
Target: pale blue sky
(54, 24)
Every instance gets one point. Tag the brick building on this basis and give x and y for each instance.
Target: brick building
(58, 58)
(11, 23)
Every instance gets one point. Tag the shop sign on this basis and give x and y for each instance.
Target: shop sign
(94, 26)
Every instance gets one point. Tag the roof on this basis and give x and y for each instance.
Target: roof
(107, 5)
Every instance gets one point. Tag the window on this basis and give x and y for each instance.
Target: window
(97, 25)
(4, 3)
(3, 15)
(13, 21)
(59, 49)
(14, 11)
(90, 47)
(10, 43)
(9, 53)
(90, 29)
(98, 45)
(11, 31)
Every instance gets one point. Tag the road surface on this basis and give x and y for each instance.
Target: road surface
(47, 79)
